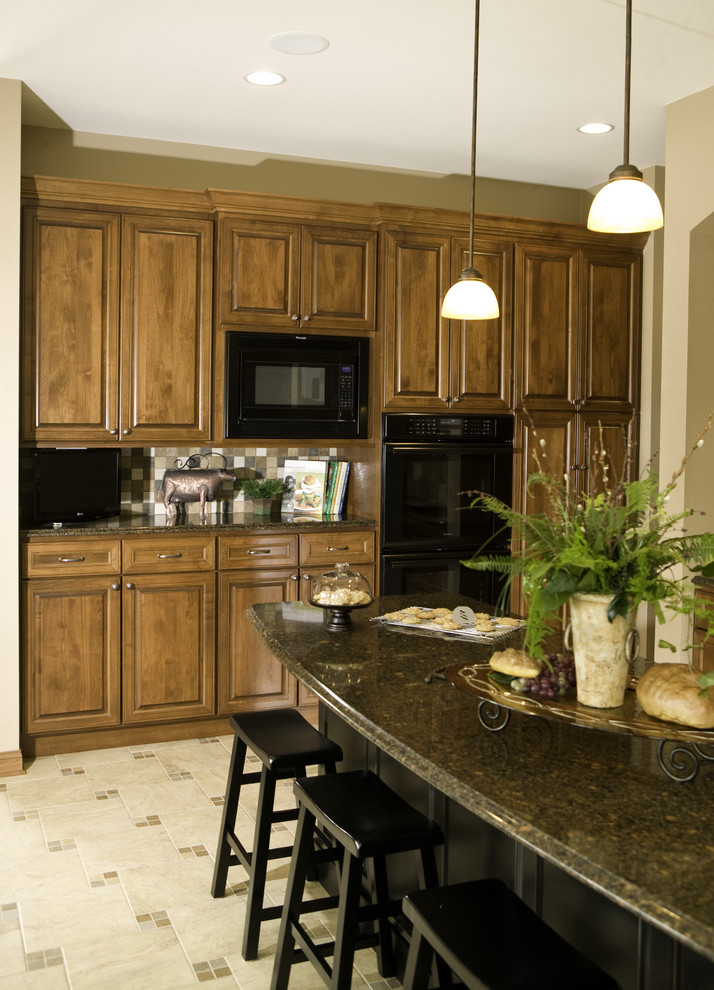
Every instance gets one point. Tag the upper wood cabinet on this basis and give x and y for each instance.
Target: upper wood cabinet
(117, 328)
(282, 276)
(434, 364)
(576, 332)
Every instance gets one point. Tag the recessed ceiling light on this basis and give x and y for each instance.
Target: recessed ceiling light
(596, 128)
(298, 43)
(264, 78)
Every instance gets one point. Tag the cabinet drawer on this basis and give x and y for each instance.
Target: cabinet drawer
(168, 553)
(274, 549)
(52, 558)
(330, 548)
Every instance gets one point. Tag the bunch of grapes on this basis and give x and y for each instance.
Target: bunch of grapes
(552, 681)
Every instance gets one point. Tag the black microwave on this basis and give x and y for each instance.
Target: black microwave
(296, 385)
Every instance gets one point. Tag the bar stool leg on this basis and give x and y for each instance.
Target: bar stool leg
(347, 923)
(418, 965)
(228, 820)
(259, 865)
(302, 852)
(385, 949)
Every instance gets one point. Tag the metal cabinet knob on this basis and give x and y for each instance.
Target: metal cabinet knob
(295, 317)
(306, 319)
(293, 577)
(130, 586)
(116, 587)
(126, 432)
(113, 432)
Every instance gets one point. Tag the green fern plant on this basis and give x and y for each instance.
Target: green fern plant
(261, 487)
(620, 542)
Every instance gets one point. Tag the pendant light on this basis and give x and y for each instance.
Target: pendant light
(470, 298)
(626, 204)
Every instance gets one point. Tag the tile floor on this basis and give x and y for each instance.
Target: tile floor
(106, 861)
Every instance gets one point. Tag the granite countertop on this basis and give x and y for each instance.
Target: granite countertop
(606, 813)
(225, 522)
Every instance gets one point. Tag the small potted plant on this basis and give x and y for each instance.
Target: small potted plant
(602, 554)
(262, 492)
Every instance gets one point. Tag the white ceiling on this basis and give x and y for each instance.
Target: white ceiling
(393, 89)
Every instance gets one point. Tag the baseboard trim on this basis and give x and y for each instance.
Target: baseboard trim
(11, 763)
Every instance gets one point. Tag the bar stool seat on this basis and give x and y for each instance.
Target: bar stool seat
(492, 940)
(367, 822)
(286, 745)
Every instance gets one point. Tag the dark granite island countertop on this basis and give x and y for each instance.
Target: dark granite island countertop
(596, 804)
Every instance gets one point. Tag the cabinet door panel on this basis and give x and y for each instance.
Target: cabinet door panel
(70, 325)
(168, 644)
(259, 273)
(614, 434)
(249, 676)
(610, 320)
(556, 454)
(546, 326)
(417, 338)
(166, 329)
(481, 376)
(338, 279)
(71, 654)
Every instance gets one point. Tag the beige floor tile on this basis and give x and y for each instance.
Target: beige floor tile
(107, 776)
(150, 960)
(12, 949)
(163, 797)
(166, 886)
(193, 754)
(84, 818)
(213, 781)
(51, 978)
(27, 795)
(120, 754)
(126, 849)
(21, 838)
(36, 767)
(199, 826)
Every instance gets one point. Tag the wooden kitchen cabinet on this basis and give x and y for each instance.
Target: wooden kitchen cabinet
(434, 364)
(168, 646)
(703, 654)
(116, 328)
(283, 276)
(71, 628)
(254, 568)
(577, 330)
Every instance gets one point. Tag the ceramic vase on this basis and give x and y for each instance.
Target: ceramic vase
(602, 650)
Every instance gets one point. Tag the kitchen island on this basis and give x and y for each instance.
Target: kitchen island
(583, 822)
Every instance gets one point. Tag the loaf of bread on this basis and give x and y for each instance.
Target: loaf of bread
(670, 691)
(517, 663)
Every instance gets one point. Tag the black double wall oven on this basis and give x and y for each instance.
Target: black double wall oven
(429, 463)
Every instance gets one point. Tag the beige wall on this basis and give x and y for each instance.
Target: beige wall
(9, 400)
(686, 392)
(56, 151)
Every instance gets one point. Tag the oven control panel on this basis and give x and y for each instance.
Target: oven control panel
(475, 428)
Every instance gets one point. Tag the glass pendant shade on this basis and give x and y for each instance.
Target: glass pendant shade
(626, 205)
(470, 298)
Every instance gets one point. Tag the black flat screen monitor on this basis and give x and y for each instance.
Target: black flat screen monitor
(75, 484)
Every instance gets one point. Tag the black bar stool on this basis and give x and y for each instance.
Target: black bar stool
(492, 941)
(367, 822)
(286, 744)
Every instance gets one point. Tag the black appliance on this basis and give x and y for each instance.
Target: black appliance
(75, 484)
(428, 464)
(285, 385)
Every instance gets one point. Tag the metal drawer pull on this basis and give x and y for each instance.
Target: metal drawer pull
(331, 549)
(168, 556)
(71, 560)
(254, 552)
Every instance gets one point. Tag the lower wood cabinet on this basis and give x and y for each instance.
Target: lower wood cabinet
(168, 647)
(249, 676)
(152, 629)
(71, 654)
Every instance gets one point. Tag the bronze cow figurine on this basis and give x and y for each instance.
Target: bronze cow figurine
(191, 485)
